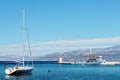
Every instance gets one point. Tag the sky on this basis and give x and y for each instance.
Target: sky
(60, 25)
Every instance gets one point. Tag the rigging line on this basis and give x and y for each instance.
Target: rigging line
(25, 28)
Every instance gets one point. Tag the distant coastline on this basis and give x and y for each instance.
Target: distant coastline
(109, 54)
(35, 62)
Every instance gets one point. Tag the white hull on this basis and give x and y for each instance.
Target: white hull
(100, 62)
(19, 70)
(92, 63)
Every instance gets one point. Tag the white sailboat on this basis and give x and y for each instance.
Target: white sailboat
(22, 69)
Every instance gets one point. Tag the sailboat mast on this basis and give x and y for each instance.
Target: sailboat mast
(25, 30)
(23, 36)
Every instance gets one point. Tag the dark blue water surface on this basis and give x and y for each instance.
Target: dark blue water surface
(66, 72)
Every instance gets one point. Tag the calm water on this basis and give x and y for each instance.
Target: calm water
(67, 72)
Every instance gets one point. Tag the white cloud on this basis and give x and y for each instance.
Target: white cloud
(88, 41)
(42, 48)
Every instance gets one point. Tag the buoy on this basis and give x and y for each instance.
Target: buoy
(49, 70)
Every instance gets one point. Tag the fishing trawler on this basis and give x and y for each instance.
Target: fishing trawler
(23, 68)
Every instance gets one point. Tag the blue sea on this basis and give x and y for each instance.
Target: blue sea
(50, 71)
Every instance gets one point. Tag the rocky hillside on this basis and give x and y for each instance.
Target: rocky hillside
(109, 54)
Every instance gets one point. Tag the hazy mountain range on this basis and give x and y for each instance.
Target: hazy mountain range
(109, 54)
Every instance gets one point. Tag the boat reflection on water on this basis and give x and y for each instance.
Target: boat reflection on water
(17, 76)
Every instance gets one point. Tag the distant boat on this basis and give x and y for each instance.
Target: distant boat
(24, 68)
(94, 60)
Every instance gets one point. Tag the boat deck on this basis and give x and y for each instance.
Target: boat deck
(110, 63)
